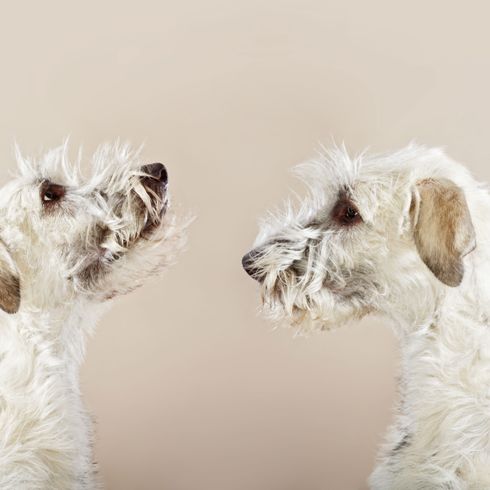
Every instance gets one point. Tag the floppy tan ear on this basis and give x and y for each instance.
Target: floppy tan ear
(9, 282)
(443, 230)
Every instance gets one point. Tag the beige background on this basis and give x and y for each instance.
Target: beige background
(190, 388)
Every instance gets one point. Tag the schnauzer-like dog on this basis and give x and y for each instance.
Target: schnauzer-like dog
(406, 235)
(67, 246)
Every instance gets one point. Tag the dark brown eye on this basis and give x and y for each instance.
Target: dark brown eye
(345, 213)
(51, 193)
(351, 213)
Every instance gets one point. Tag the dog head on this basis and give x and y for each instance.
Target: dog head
(63, 235)
(375, 234)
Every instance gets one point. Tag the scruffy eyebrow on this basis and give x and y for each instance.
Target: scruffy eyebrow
(344, 195)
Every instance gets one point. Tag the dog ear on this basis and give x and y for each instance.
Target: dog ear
(9, 282)
(442, 228)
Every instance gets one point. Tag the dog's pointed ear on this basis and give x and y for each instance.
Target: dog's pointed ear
(442, 228)
(9, 282)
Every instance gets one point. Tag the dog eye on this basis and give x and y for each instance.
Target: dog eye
(51, 193)
(345, 213)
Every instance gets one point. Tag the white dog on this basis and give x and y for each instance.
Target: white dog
(67, 246)
(406, 235)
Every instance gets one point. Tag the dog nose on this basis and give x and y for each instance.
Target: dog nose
(156, 171)
(249, 265)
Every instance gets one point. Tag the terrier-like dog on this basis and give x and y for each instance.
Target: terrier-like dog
(68, 245)
(406, 235)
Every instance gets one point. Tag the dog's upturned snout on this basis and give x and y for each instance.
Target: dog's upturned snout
(156, 171)
(250, 266)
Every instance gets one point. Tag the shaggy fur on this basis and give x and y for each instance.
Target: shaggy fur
(68, 244)
(396, 234)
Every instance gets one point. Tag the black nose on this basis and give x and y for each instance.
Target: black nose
(156, 171)
(250, 266)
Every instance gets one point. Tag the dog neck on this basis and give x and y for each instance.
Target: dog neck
(445, 381)
(40, 403)
(59, 332)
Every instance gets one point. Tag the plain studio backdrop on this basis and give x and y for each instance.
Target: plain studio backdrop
(190, 388)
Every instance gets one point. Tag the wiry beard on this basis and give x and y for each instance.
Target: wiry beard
(321, 310)
(140, 216)
(312, 292)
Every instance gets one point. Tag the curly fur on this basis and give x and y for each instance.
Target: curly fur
(63, 261)
(412, 258)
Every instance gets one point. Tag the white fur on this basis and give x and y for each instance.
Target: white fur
(317, 276)
(69, 270)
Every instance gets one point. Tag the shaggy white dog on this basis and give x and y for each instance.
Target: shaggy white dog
(406, 235)
(67, 246)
